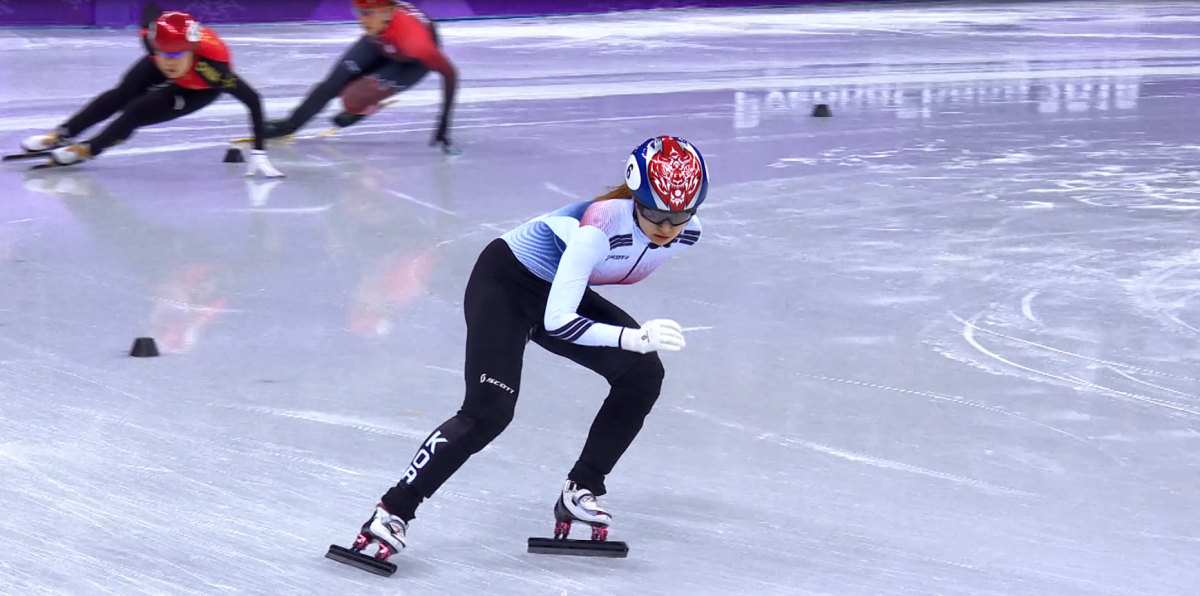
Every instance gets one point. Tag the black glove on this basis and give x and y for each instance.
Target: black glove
(345, 119)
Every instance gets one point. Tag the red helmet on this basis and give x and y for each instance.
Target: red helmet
(364, 4)
(175, 32)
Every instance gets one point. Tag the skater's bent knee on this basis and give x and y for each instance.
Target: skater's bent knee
(331, 87)
(495, 422)
(251, 96)
(488, 422)
(647, 374)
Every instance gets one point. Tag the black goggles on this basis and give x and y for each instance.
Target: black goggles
(657, 217)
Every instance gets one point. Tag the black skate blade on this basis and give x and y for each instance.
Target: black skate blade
(364, 562)
(52, 164)
(26, 155)
(579, 548)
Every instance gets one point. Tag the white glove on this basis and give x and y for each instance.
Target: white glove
(258, 162)
(659, 334)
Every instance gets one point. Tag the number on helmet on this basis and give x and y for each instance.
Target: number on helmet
(193, 32)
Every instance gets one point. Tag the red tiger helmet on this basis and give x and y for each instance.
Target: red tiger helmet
(175, 32)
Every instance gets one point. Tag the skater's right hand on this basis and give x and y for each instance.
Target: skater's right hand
(656, 335)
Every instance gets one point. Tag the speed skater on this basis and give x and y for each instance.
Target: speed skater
(187, 67)
(399, 48)
(534, 284)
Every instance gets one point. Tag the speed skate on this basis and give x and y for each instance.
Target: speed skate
(577, 504)
(26, 155)
(49, 163)
(356, 558)
(384, 529)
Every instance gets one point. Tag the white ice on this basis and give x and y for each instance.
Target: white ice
(941, 343)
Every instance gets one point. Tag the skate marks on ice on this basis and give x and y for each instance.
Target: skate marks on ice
(946, 398)
(1027, 306)
(355, 423)
(778, 439)
(1166, 288)
(1056, 293)
(140, 523)
(1089, 331)
(1123, 173)
(50, 372)
(1106, 243)
(1083, 348)
(970, 327)
(154, 503)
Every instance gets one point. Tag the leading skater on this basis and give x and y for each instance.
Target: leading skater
(399, 48)
(187, 67)
(532, 284)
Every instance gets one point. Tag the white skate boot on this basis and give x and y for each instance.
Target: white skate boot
(579, 504)
(71, 155)
(384, 528)
(46, 142)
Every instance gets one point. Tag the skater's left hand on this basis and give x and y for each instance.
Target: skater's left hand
(258, 162)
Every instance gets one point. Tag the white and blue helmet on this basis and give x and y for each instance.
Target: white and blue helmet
(667, 174)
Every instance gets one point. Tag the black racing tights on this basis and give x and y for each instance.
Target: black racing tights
(144, 97)
(363, 59)
(504, 306)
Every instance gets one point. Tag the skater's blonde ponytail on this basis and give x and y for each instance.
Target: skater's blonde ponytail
(620, 192)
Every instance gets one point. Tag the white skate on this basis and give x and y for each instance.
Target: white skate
(579, 504)
(66, 156)
(386, 529)
(46, 142)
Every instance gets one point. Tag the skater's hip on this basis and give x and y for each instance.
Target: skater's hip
(499, 264)
(503, 293)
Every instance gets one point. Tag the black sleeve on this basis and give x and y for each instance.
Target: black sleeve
(226, 80)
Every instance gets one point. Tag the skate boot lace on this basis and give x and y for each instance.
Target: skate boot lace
(395, 525)
(586, 500)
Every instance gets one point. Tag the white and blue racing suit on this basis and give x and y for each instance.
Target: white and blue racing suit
(532, 283)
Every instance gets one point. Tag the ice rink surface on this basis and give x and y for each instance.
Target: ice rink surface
(947, 339)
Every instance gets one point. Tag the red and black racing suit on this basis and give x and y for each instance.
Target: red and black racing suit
(145, 96)
(377, 67)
